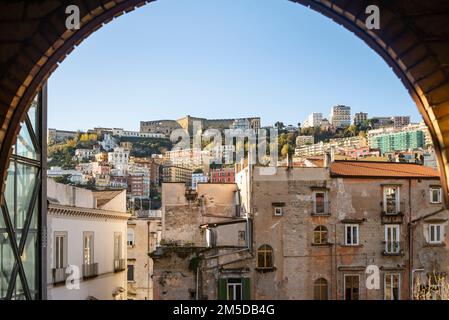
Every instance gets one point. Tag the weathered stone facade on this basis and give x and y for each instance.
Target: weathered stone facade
(142, 238)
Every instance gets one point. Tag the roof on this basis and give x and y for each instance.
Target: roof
(104, 197)
(381, 169)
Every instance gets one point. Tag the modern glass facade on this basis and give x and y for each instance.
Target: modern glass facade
(23, 212)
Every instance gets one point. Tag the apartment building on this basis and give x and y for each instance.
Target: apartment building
(371, 134)
(340, 116)
(172, 173)
(320, 148)
(198, 178)
(222, 175)
(86, 250)
(119, 158)
(398, 141)
(313, 120)
(143, 236)
(204, 248)
(318, 233)
(359, 118)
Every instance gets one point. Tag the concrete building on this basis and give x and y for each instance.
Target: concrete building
(398, 141)
(192, 158)
(338, 145)
(371, 134)
(340, 116)
(304, 140)
(119, 158)
(143, 236)
(340, 221)
(401, 121)
(359, 118)
(204, 246)
(172, 173)
(313, 120)
(198, 178)
(222, 175)
(136, 134)
(86, 243)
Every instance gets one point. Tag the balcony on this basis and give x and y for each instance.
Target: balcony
(392, 248)
(119, 265)
(59, 275)
(392, 213)
(321, 208)
(90, 270)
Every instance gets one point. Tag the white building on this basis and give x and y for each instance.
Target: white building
(119, 158)
(75, 176)
(313, 120)
(86, 250)
(198, 177)
(411, 127)
(85, 153)
(340, 116)
(137, 134)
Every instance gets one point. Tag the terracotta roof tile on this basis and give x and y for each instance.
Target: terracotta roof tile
(381, 169)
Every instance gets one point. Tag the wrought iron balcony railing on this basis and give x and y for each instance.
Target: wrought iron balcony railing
(392, 248)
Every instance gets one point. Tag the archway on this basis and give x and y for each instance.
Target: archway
(413, 40)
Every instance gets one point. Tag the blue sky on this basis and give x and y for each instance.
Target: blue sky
(220, 59)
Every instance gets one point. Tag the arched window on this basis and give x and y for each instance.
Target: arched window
(320, 290)
(265, 257)
(320, 235)
(130, 238)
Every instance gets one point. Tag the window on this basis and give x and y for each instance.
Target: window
(241, 237)
(435, 195)
(391, 286)
(319, 202)
(130, 238)
(391, 200)
(320, 235)
(117, 245)
(265, 257)
(392, 238)
(130, 272)
(60, 250)
(351, 287)
(320, 289)
(435, 233)
(235, 289)
(278, 211)
(351, 234)
(88, 248)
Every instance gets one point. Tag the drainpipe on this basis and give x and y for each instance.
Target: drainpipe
(410, 240)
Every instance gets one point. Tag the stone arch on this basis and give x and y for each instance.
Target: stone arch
(413, 40)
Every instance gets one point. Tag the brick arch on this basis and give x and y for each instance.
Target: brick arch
(413, 40)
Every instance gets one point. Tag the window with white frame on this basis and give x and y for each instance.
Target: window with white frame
(392, 286)
(435, 233)
(130, 238)
(391, 204)
(88, 248)
(392, 238)
(60, 250)
(351, 234)
(435, 195)
(278, 211)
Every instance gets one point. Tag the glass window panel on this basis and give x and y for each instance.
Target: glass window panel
(25, 147)
(32, 113)
(9, 193)
(29, 259)
(26, 177)
(6, 262)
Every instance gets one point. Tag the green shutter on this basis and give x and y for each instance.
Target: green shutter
(246, 289)
(222, 289)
